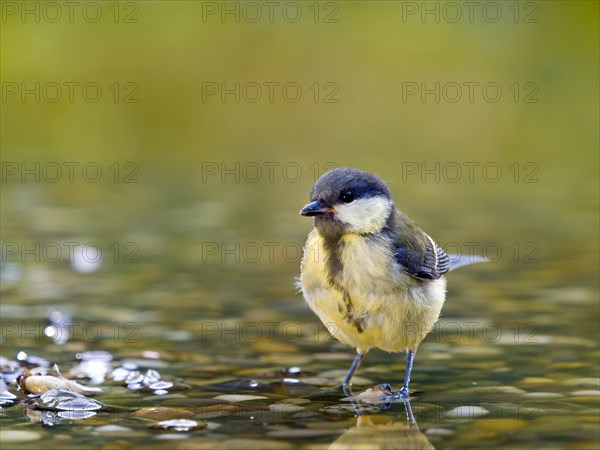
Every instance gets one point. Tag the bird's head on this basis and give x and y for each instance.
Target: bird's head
(349, 201)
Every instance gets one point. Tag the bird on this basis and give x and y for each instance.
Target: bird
(370, 274)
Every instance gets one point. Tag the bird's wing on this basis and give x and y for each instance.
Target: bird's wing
(422, 258)
(416, 252)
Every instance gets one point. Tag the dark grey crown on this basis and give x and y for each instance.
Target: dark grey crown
(333, 184)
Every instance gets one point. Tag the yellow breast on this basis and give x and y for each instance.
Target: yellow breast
(374, 303)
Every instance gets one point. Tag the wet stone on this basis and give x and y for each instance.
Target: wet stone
(8, 436)
(61, 399)
(76, 414)
(178, 425)
(537, 380)
(234, 398)
(162, 413)
(39, 384)
(112, 429)
(46, 418)
(98, 355)
(586, 393)
(543, 395)
(439, 432)
(173, 437)
(582, 382)
(7, 398)
(585, 397)
(134, 377)
(285, 408)
(161, 385)
(120, 374)
(467, 412)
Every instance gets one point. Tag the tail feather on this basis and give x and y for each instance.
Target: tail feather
(457, 261)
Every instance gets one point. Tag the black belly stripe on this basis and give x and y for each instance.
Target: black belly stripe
(333, 260)
(334, 266)
(349, 316)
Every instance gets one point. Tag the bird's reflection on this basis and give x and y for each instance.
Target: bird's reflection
(367, 434)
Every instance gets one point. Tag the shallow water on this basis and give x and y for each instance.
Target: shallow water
(504, 368)
(179, 260)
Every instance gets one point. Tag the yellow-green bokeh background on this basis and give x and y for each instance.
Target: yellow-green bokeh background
(368, 54)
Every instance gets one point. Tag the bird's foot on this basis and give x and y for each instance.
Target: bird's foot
(392, 395)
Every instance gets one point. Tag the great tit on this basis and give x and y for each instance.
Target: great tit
(372, 276)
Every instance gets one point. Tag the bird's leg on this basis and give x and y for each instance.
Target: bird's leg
(410, 357)
(404, 392)
(346, 385)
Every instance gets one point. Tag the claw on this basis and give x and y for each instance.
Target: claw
(402, 394)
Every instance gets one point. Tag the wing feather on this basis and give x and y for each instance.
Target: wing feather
(422, 258)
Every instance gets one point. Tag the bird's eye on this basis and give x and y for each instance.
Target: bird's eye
(347, 196)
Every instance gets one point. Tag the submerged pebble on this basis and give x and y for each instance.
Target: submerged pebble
(7, 398)
(585, 393)
(162, 413)
(582, 382)
(467, 412)
(7, 436)
(62, 399)
(111, 428)
(233, 398)
(161, 385)
(543, 395)
(76, 414)
(285, 408)
(178, 425)
(439, 432)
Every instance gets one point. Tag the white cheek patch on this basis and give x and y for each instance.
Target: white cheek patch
(365, 215)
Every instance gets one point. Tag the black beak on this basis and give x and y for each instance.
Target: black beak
(316, 209)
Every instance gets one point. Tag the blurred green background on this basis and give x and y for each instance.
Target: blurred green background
(371, 51)
(158, 121)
